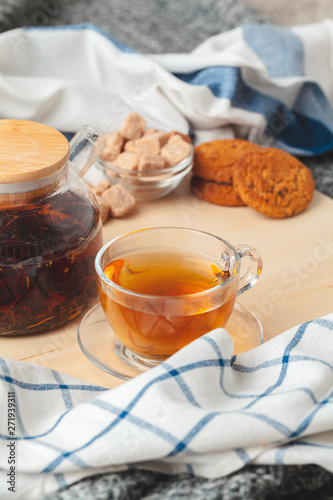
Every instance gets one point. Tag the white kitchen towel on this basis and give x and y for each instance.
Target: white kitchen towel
(203, 411)
(269, 84)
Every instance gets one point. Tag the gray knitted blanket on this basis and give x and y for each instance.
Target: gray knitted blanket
(159, 26)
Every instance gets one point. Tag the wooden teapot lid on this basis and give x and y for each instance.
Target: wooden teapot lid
(30, 151)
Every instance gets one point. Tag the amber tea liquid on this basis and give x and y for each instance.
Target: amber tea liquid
(158, 332)
(47, 254)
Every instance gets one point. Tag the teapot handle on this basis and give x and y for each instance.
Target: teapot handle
(86, 146)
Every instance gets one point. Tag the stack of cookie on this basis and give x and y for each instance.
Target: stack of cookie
(236, 172)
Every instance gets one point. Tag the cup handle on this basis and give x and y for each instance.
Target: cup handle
(254, 270)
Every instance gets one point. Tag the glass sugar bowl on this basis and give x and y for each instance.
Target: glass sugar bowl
(50, 231)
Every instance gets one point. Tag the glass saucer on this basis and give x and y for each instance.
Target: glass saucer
(100, 345)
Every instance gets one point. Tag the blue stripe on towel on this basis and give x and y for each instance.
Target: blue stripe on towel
(277, 361)
(243, 455)
(308, 419)
(220, 357)
(226, 82)
(181, 383)
(66, 395)
(50, 387)
(279, 49)
(190, 469)
(183, 444)
(284, 366)
(324, 322)
(45, 433)
(60, 480)
(297, 127)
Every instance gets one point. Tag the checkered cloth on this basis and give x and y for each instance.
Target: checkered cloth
(270, 84)
(203, 411)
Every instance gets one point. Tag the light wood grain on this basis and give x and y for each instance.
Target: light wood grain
(296, 284)
(30, 151)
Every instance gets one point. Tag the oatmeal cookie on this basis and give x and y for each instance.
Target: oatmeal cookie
(273, 182)
(214, 192)
(214, 161)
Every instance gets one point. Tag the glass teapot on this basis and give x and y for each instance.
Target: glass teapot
(50, 227)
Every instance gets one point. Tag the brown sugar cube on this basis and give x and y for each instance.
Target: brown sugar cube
(114, 144)
(185, 137)
(162, 137)
(152, 162)
(102, 186)
(133, 126)
(119, 200)
(127, 161)
(146, 145)
(150, 131)
(176, 149)
(130, 146)
(104, 208)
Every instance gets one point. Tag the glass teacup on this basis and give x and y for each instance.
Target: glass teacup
(163, 287)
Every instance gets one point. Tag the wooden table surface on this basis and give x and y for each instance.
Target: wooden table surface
(296, 284)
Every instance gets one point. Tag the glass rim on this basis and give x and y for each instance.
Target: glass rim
(125, 291)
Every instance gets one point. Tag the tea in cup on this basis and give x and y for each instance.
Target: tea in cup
(163, 287)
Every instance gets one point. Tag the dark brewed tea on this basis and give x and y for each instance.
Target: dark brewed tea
(163, 274)
(47, 251)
